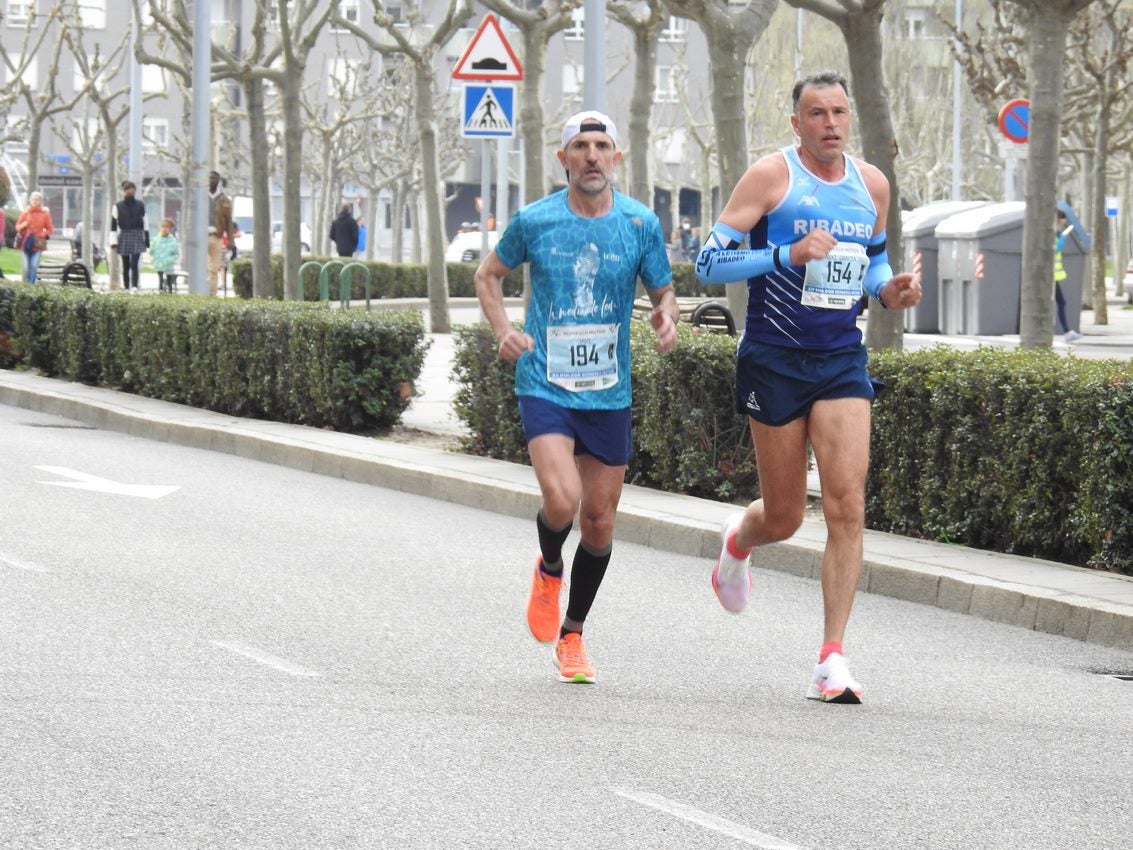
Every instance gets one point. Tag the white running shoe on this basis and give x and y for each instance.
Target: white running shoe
(731, 577)
(832, 682)
(1072, 336)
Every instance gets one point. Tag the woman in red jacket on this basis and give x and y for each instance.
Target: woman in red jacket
(32, 229)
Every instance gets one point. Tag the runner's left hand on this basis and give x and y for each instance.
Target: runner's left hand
(902, 290)
(664, 328)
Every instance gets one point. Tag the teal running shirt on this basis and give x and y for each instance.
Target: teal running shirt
(584, 275)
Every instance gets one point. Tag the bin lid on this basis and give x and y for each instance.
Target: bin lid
(923, 220)
(982, 221)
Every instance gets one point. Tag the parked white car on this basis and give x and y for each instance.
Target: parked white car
(465, 246)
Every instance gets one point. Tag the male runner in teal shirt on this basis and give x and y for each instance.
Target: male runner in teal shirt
(586, 245)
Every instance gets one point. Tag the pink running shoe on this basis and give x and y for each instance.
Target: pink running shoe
(731, 577)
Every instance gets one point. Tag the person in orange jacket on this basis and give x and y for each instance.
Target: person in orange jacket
(32, 231)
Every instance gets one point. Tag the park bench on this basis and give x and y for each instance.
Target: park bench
(711, 314)
(63, 272)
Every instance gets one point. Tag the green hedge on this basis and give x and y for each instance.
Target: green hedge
(387, 280)
(1022, 452)
(1014, 451)
(686, 434)
(345, 369)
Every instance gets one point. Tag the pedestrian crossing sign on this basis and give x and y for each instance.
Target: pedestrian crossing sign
(489, 112)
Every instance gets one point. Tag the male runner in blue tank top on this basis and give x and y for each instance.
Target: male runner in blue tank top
(815, 221)
(587, 246)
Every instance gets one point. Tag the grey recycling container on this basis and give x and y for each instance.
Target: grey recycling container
(980, 264)
(918, 236)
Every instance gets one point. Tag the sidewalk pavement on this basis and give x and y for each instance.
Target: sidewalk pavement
(1035, 594)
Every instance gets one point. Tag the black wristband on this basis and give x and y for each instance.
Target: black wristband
(775, 257)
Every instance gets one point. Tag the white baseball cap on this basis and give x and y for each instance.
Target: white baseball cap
(586, 121)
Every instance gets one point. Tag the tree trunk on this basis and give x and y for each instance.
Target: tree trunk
(728, 50)
(434, 215)
(1100, 224)
(640, 112)
(289, 86)
(531, 116)
(884, 328)
(261, 189)
(1047, 34)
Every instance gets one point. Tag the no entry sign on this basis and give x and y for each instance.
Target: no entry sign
(1015, 120)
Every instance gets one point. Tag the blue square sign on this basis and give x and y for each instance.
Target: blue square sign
(489, 112)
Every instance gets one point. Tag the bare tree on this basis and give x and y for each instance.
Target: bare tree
(1048, 22)
(860, 23)
(42, 100)
(421, 52)
(536, 25)
(645, 21)
(731, 32)
(99, 71)
(1105, 66)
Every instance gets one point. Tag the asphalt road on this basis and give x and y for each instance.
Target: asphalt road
(251, 656)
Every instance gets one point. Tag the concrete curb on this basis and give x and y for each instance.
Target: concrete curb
(1040, 595)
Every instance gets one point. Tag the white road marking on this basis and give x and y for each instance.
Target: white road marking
(714, 822)
(15, 563)
(85, 481)
(264, 658)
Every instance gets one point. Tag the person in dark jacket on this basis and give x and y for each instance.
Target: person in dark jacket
(128, 233)
(344, 232)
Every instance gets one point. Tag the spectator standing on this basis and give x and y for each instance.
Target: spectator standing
(128, 233)
(221, 231)
(344, 232)
(33, 228)
(1064, 230)
(361, 249)
(165, 252)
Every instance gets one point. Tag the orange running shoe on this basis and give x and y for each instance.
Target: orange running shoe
(570, 656)
(543, 604)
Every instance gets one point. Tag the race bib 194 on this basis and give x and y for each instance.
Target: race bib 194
(581, 358)
(835, 281)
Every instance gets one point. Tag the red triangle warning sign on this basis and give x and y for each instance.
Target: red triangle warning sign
(488, 55)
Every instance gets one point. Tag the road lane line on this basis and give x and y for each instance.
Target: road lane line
(714, 822)
(27, 566)
(265, 658)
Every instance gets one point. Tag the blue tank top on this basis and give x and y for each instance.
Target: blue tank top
(584, 275)
(776, 314)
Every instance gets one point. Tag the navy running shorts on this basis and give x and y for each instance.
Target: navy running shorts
(776, 385)
(607, 435)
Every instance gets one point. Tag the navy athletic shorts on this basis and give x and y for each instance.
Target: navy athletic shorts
(776, 385)
(605, 434)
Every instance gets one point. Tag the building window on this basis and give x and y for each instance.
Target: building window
(676, 30)
(92, 14)
(666, 85)
(572, 82)
(30, 76)
(18, 12)
(153, 79)
(350, 12)
(342, 77)
(155, 135)
(915, 21)
(577, 29)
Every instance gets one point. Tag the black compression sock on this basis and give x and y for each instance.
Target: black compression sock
(551, 544)
(586, 574)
